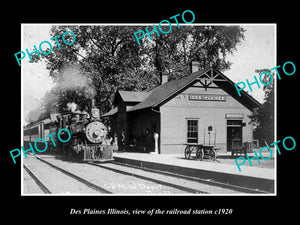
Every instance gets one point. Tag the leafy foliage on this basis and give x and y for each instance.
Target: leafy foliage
(112, 59)
(208, 45)
(263, 117)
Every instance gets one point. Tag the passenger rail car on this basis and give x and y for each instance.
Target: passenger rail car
(89, 140)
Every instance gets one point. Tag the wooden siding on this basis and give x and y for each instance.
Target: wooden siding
(175, 112)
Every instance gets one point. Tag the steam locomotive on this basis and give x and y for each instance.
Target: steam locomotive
(89, 136)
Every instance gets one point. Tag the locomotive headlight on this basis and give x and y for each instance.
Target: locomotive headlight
(96, 134)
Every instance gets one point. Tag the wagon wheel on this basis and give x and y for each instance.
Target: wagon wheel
(199, 153)
(214, 154)
(187, 152)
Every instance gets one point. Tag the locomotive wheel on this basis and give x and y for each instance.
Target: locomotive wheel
(64, 151)
(77, 156)
(70, 153)
(187, 152)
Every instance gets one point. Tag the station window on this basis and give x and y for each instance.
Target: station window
(192, 131)
(34, 131)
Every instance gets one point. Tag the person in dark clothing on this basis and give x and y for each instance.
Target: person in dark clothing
(123, 144)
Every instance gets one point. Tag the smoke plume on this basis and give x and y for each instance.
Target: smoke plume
(72, 106)
(72, 78)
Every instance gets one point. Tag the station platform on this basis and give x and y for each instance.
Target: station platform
(260, 177)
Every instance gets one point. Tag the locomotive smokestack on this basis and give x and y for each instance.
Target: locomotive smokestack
(94, 112)
(91, 105)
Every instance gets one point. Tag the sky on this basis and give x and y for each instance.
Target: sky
(257, 51)
(35, 77)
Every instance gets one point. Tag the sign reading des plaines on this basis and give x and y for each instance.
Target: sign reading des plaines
(207, 97)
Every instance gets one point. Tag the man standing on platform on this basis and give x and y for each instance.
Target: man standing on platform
(123, 141)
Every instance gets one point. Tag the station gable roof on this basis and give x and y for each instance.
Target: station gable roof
(131, 96)
(163, 93)
(168, 90)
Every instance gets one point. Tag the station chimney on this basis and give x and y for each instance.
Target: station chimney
(164, 77)
(194, 66)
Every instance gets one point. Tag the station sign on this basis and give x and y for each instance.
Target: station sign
(207, 97)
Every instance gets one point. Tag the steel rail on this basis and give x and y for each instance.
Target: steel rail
(37, 181)
(204, 181)
(187, 189)
(87, 183)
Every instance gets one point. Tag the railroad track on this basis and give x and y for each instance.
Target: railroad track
(44, 188)
(37, 180)
(196, 179)
(84, 181)
(101, 189)
(161, 182)
(184, 184)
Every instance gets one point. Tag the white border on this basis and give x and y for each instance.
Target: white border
(145, 24)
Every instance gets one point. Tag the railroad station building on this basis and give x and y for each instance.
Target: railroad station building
(202, 107)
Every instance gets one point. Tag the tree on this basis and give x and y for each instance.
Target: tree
(107, 55)
(263, 117)
(209, 45)
(111, 59)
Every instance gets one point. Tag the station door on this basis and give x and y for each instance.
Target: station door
(234, 134)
